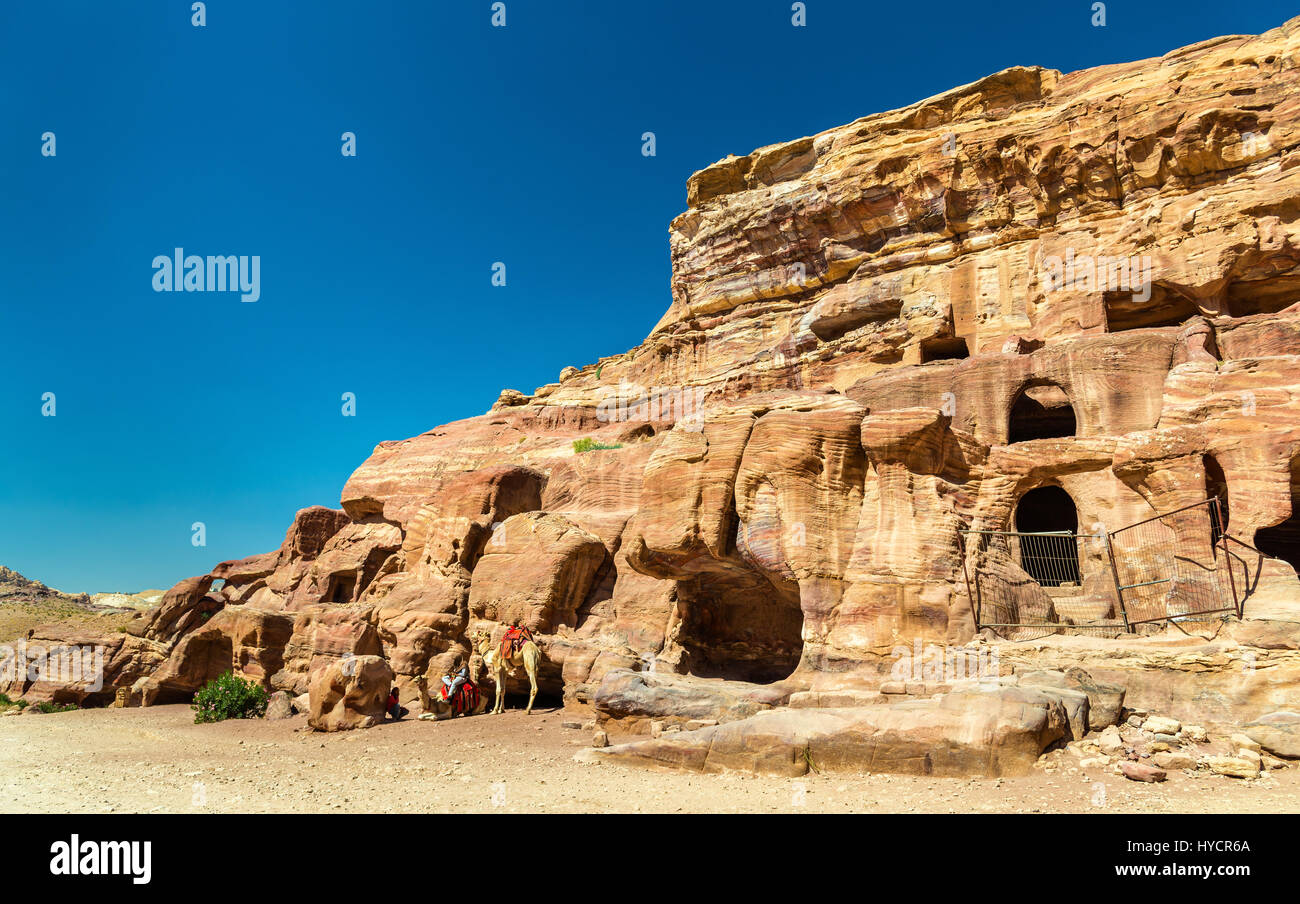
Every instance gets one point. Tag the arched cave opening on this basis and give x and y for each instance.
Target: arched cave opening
(1041, 411)
(1052, 561)
(1216, 487)
(1282, 541)
(739, 627)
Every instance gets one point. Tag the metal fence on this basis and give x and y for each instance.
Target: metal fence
(1177, 566)
(1025, 584)
(1171, 567)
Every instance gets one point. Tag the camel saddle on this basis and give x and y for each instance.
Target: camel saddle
(514, 642)
(465, 700)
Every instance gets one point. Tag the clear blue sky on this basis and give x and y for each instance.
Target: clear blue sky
(474, 144)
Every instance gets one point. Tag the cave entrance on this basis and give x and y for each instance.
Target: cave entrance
(1282, 541)
(1216, 488)
(1263, 296)
(342, 586)
(1041, 411)
(1050, 554)
(1126, 311)
(740, 627)
(944, 350)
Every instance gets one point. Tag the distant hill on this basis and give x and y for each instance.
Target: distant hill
(26, 603)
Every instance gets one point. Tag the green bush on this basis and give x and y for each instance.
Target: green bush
(6, 702)
(54, 707)
(587, 444)
(229, 697)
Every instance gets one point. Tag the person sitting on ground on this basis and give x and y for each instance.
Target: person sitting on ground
(395, 709)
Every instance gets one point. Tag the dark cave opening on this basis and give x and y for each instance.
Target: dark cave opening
(944, 350)
(1263, 296)
(1163, 308)
(1050, 560)
(341, 588)
(1216, 487)
(1282, 541)
(1041, 411)
(739, 627)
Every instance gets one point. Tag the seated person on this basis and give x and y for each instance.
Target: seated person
(395, 709)
(455, 680)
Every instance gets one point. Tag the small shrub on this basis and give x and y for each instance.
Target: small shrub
(587, 444)
(54, 707)
(229, 697)
(5, 702)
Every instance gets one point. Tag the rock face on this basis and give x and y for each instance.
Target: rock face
(1040, 299)
(350, 693)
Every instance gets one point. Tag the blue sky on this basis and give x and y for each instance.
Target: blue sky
(475, 144)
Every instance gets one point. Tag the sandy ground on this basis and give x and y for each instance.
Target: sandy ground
(157, 761)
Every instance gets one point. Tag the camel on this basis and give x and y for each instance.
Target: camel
(529, 656)
(435, 709)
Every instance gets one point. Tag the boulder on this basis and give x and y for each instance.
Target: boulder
(629, 701)
(1141, 772)
(1160, 725)
(279, 706)
(350, 693)
(1174, 759)
(1111, 742)
(990, 733)
(1278, 733)
(1235, 766)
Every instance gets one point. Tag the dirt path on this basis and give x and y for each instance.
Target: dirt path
(157, 760)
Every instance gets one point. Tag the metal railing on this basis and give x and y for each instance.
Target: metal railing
(1176, 566)
(1169, 566)
(1026, 584)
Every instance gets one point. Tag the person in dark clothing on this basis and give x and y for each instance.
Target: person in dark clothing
(395, 709)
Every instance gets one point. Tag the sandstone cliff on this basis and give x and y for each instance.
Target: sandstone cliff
(879, 336)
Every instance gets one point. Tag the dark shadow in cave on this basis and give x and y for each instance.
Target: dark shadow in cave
(1041, 411)
(1049, 560)
(1282, 541)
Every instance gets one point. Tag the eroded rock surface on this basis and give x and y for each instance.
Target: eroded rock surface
(879, 336)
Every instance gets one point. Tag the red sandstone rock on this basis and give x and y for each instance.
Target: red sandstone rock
(350, 693)
(1141, 772)
(868, 331)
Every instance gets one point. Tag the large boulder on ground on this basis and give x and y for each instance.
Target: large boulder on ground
(350, 693)
(1278, 733)
(630, 700)
(279, 706)
(977, 732)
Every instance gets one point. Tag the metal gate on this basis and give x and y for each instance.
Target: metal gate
(1177, 566)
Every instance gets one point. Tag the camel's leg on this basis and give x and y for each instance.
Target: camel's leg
(531, 657)
(500, 704)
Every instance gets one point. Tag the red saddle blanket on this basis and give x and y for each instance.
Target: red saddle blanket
(466, 698)
(514, 642)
